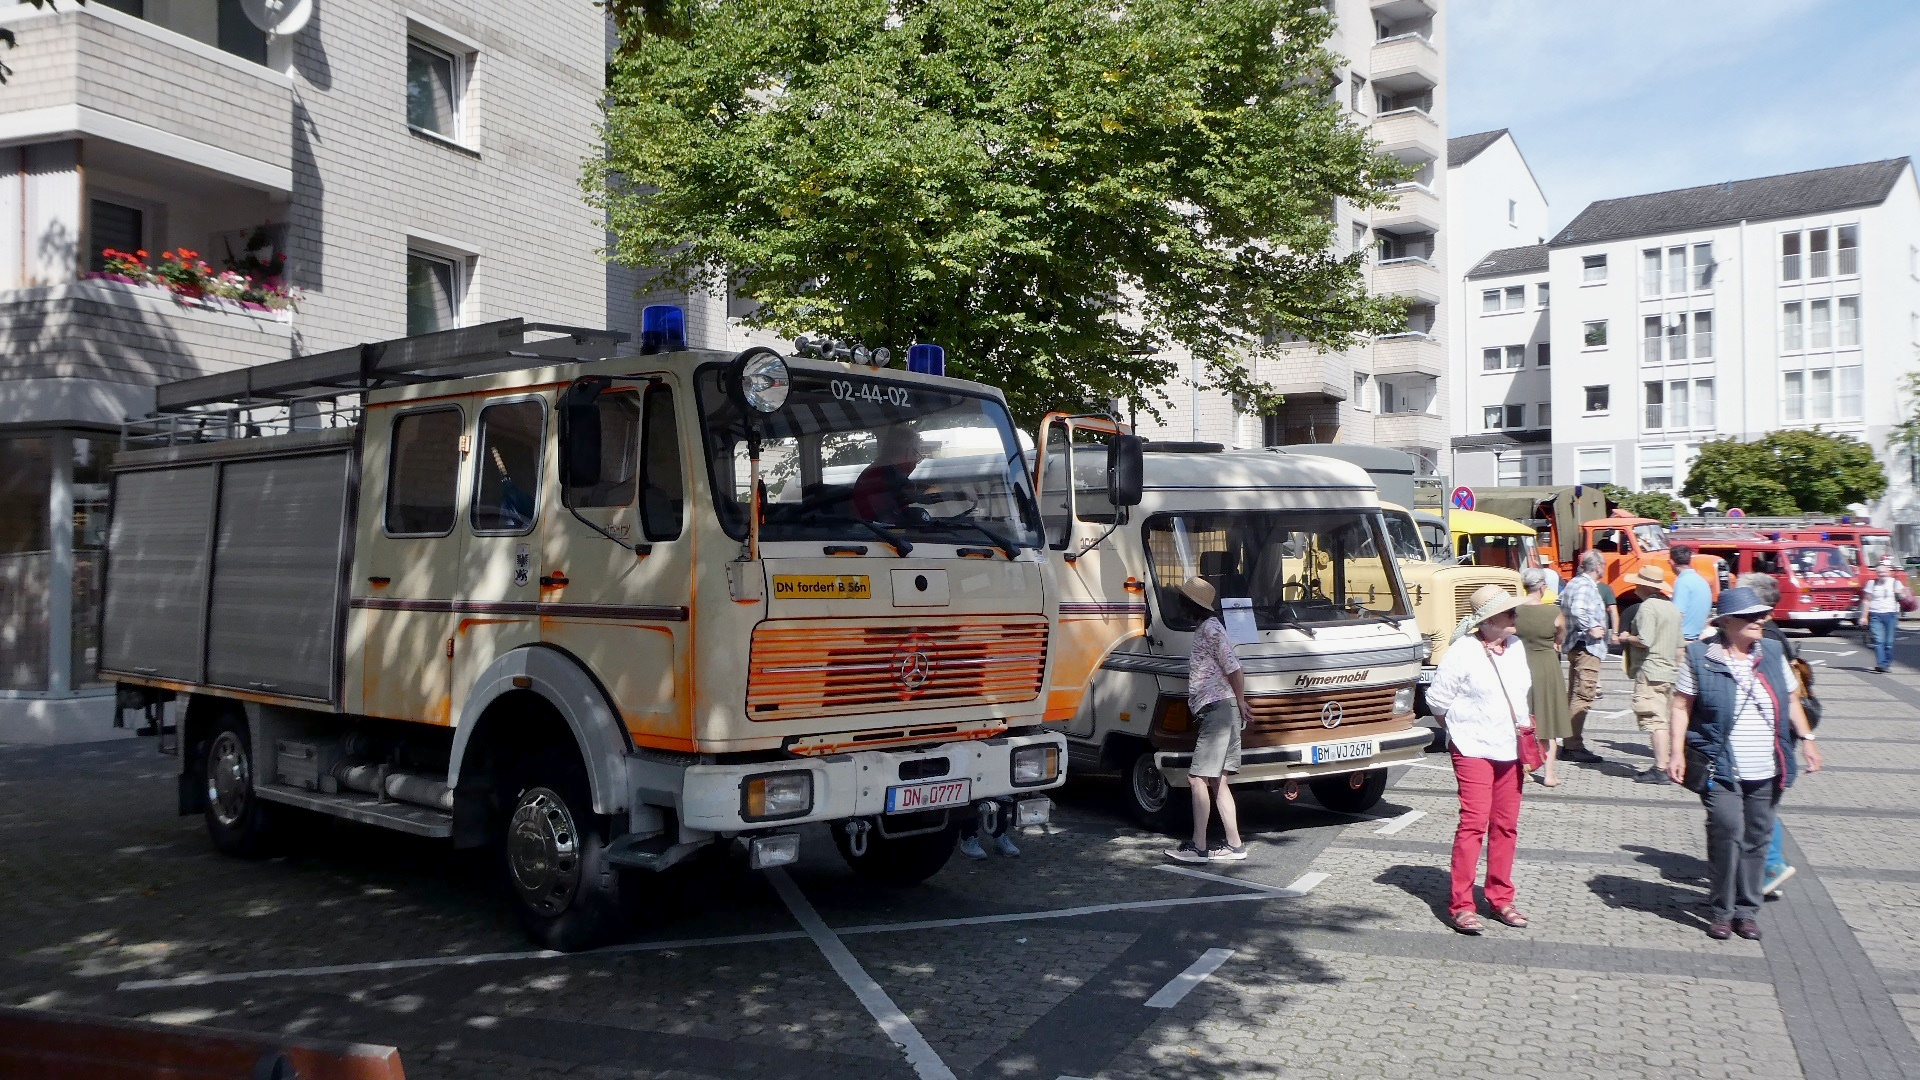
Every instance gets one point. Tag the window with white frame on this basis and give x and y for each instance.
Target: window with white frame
(1656, 468)
(1593, 268)
(1819, 263)
(1360, 388)
(1513, 213)
(1359, 236)
(1655, 395)
(1544, 414)
(1848, 402)
(1793, 331)
(1702, 267)
(1540, 294)
(1594, 334)
(1679, 403)
(433, 292)
(1820, 394)
(1513, 470)
(1516, 357)
(1358, 98)
(1651, 336)
(1491, 417)
(1502, 417)
(1702, 334)
(1677, 269)
(1820, 324)
(1793, 397)
(113, 225)
(1676, 328)
(1490, 359)
(1489, 300)
(436, 79)
(1790, 256)
(1595, 464)
(1516, 297)
(1847, 326)
(1651, 279)
(1598, 398)
(1543, 468)
(1703, 403)
(1848, 240)
(1543, 355)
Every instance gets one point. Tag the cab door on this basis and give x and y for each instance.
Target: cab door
(1102, 586)
(406, 570)
(619, 600)
(500, 561)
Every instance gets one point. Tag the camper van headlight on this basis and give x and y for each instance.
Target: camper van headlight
(1403, 700)
(764, 382)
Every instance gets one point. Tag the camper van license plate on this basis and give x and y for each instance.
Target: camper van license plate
(907, 798)
(1343, 751)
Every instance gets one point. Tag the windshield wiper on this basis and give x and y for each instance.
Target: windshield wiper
(999, 541)
(1289, 624)
(1361, 611)
(901, 546)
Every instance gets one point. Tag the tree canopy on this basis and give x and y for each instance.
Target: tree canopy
(1658, 505)
(1054, 190)
(1787, 472)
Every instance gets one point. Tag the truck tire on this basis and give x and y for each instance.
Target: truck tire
(1821, 629)
(239, 823)
(553, 853)
(1351, 793)
(1152, 801)
(905, 860)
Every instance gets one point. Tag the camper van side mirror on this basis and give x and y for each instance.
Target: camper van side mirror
(579, 411)
(1125, 469)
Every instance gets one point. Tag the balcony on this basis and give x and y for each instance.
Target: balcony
(1408, 130)
(1303, 370)
(1410, 429)
(1413, 277)
(1405, 63)
(95, 74)
(1403, 353)
(1418, 206)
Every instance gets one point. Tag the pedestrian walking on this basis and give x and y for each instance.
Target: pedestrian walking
(1542, 628)
(992, 823)
(1653, 658)
(1768, 590)
(1732, 742)
(1217, 700)
(1691, 594)
(1586, 647)
(1480, 692)
(1881, 600)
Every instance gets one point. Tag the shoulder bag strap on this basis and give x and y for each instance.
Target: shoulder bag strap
(1504, 696)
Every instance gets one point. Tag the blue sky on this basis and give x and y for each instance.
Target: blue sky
(1623, 97)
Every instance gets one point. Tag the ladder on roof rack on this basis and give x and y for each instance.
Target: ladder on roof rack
(327, 389)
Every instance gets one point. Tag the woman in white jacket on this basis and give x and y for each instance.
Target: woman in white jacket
(1480, 693)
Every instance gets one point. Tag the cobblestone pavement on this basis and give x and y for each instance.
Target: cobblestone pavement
(108, 892)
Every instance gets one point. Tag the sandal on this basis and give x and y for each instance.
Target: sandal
(1466, 922)
(1511, 916)
(1541, 779)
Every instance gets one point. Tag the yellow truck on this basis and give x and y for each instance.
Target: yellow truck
(504, 587)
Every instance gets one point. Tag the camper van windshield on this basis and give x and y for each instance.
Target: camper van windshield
(924, 463)
(1300, 568)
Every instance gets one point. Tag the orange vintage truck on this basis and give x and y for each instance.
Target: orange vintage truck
(1576, 519)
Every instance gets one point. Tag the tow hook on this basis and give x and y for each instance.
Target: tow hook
(989, 816)
(1290, 791)
(857, 836)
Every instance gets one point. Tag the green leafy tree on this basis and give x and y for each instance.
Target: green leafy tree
(1055, 190)
(1658, 505)
(1904, 437)
(1787, 472)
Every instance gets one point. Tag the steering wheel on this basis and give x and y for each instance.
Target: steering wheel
(1301, 585)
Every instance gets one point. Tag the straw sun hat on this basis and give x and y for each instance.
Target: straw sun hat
(1201, 591)
(1487, 601)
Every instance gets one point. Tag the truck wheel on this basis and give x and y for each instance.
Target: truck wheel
(1153, 802)
(1821, 629)
(1351, 793)
(567, 894)
(239, 823)
(906, 860)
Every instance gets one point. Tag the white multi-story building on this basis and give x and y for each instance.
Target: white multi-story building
(1391, 392)
(1729, 310)
(416, 165)
(1503, 378)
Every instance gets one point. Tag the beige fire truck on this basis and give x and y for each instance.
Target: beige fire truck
(502, 586)
(1296, 545)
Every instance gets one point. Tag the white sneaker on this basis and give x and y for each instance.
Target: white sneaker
(970, 847)
(1004, 845)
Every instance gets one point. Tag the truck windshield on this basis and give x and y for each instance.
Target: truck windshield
(1300, 568)
(1875, 548)
(1405, 537)
(1495, 549)
(1820, 561)
(921, 462)
(1651, 537)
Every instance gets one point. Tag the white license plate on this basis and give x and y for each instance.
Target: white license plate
(1343, 751)
(907, 798)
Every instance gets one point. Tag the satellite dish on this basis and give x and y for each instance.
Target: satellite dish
(279, 17)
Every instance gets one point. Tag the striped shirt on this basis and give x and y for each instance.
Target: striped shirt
(1752, 738)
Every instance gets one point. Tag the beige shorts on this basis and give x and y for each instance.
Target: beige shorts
(1652, 704)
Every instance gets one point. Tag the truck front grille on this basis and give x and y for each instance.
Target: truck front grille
(805, 669)
(1290, 718)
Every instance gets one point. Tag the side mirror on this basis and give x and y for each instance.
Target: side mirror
(1125, 470)
(579, 411)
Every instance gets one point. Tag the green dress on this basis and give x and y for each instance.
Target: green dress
(1534, 624)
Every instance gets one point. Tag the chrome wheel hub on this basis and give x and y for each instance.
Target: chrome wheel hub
(229, 779)
(1149, 784)
(543, 851)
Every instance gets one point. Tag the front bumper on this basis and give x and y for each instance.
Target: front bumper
(1807, 618)
(855, 784)
(1295, 761)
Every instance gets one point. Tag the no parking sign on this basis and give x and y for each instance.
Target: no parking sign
(1462, 498)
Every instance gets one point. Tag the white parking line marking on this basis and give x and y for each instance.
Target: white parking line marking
(1811, 663)
(1182, 984)
(1304, 884)
(1613, 715)
(1424, 765)
(926, 1063)
(1222, 879)
(1061, 913)
(1400, 822)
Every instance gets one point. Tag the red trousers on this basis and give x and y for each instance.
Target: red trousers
(1489, 812)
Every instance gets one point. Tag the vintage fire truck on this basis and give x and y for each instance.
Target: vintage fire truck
(1297, 548)
(503, 586)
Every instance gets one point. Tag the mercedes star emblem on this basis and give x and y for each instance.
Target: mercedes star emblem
(1331, 714)
(912, 667)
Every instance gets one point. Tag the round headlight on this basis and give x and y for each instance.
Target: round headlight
(764, 382)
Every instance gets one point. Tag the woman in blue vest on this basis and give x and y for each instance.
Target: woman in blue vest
(1733, 733)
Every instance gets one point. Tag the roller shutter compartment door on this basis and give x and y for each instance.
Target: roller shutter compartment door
(154, 611)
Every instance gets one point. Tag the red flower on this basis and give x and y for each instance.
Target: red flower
(141, 254)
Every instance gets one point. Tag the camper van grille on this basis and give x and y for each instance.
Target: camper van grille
(804, 670)
(1281, 718)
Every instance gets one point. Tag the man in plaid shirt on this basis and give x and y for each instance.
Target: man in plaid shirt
(1586, 647)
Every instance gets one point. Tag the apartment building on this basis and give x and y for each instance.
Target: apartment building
(1504, 378)
(405, 165)
(1390, 392)
(1728, 310)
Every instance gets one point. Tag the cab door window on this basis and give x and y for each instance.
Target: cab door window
(423, 470)
(619, 454)
(662, 490)
(506, 492)
(1056, 498)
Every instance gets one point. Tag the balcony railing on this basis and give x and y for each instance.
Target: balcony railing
(1404, 63)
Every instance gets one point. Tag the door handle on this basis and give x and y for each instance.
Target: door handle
(553, 581)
